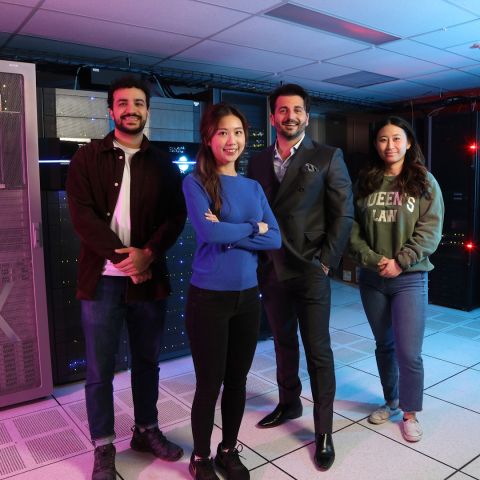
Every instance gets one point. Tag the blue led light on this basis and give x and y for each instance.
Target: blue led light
(75, 364)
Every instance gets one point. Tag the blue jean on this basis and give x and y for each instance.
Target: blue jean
(396, 311)
(102, 321)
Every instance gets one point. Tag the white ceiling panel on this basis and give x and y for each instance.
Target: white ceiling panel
(473, 70)
(12, 16)
(58, 48)
(449, 80)
(471, 5)
(103, 55)
(284, 37)
(184, 17)
(251, 6)
(105, 34)
(452, 36)
(215, 69)
(405, 18)
(402, 89)
(467, 51)
(28, 3)
(386, 63)
(426, 52)
(368, 95)
(240, 57)
(308, 83)
(320, 71)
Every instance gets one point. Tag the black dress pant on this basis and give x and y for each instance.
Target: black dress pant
(222, 327)
(303, 301)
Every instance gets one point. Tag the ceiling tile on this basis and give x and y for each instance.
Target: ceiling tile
(405, 18)
(184, 17)
(449, 80)
(359, 79)
(308, 83)
(387, 63)
(27, 3)
(319, 71)
(449, 37)
(467, 51)
(471, 5)
(473, 70)
(258, 32)
(55, 47)
(209, 68)
(402, 90)
(251, 6)
(366, 95)
(425, 52)
(105, 34)
(12, 16)
(240, 57)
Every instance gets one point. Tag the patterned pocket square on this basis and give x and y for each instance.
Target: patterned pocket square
(308, 167)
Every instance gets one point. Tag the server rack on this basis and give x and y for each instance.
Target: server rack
(25, 369)
(455, 164)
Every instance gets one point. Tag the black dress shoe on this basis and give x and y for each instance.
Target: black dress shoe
(324, 453)
(281, 414)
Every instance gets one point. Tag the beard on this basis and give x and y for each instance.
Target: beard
(292, 134)
(130, 130)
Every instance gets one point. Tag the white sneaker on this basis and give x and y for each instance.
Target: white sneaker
(382, 414)
(411, 430)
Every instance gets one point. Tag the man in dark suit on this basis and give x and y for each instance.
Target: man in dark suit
(309, 190)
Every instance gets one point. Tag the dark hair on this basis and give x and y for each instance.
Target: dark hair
(128, 81)
(289, 90)
(206, 166)
(412, 180)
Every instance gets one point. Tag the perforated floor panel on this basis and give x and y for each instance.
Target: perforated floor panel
(37, 439)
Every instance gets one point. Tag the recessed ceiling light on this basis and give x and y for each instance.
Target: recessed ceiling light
(320, 21)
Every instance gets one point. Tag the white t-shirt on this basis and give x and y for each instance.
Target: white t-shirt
(120, 222)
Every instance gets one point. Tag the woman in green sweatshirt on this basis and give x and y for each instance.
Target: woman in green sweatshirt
(398, 225)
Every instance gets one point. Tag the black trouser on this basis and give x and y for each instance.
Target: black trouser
(222, 328)
(303, 301)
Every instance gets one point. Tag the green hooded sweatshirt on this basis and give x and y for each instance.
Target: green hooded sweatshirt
(391, 225)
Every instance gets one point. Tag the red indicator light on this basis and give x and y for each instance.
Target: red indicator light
(469, 245)
(472, 147)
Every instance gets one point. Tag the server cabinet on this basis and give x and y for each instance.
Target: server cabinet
(25, 371)
(455, 164)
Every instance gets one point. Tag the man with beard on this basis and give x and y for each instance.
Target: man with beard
(309, 190)
(127, 207)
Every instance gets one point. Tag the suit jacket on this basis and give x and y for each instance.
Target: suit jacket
(313, 205)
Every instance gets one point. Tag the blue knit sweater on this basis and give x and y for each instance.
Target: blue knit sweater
(226, 257)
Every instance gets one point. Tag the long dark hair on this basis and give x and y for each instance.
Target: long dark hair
(412, 180)
(206, 167)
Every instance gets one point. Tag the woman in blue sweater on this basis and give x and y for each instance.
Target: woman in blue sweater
(232, 220)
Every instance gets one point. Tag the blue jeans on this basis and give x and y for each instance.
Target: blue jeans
(102, 321)
(396, 311)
